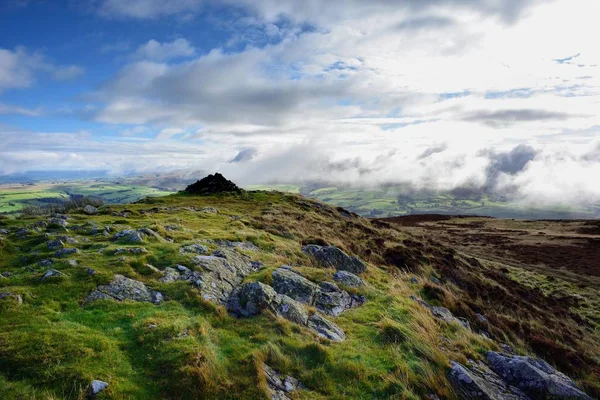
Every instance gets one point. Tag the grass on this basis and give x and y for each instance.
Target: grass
(53, 345)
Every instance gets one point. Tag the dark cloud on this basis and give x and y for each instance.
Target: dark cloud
(244, 155)
(433, 150)
(416, 24)
(503, 118)
(511, 162)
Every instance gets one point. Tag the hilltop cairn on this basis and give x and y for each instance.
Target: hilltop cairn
(213, 184)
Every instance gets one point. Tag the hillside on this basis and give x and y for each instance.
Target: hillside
(185, 296)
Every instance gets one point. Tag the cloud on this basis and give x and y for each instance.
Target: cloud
(433, 150)
(244, 155)
(147, 9)
(504, 118)
(67, 72)
(8, 109)
(156, 51)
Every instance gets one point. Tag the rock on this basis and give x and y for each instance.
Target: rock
(435, 280)
(332, 257)
(52, 273)
(290, 283)
(251, 299)
(46, 262)
(55, 244)
(72, 263)
(90, 210)
(326, 328)
(414, 280)
(131, 250)
(210, 210)
(90, 271)
(331, 300)
(233, 245)
(213, 184)
(4, 232)
(22, 233)
(129, 236)
(194, 248)
(481, 318)
(6, 274)
(95, 388)
(58, 222)
(280, 385)
(169, 275)
(348, 279)
(443, 313)
(481, 383)
(535, 377)
(122, 288)
(15, 297)
(153, 269)
(65, 252)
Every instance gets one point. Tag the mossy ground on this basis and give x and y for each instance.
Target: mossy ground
(53, 344)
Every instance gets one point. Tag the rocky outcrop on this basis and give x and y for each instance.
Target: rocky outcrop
(332, 257)
(279, 385)
(443, 313)
(194, 248)
(327, 297)
(479, 382)
(252, 298)
(122, 288)
(534, 377)
(213, 184)
(348, 279)
(233, 245)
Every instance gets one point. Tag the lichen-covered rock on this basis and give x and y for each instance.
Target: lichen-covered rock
(129, 236)
(170, 275)
(65, 252)
(332, 257)
(534, 377)
(194, 248)
(94, 389)
(122, 288)
(285, 281)
(348, 279)
(291, 310)
(52, 273)
(279, 385)
(331, 300)
(90, 210)
(326, 328)
(479, 382)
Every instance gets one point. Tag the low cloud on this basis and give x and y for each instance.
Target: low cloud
(504, 118)
(244, 155)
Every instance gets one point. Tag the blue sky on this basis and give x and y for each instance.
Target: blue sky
(352, 91)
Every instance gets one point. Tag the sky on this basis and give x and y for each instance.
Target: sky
(438, 94)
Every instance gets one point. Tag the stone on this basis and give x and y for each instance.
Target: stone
(122, 288)
(414, 280)
(291, 310)
(209, 210)
(443, 313)
(6, 274)
(90, 271)
(65, 252)
(251, 299)
(58, 222)
(326, 328)
(90, 210)
(95, 388)
(332, 257)
(15, 297)
(72, 263)
(535, 377)
(478, 382)
(4, 231)
(52, 273)
(331, 300)
(46, 262)
(294, 285)
(279, 385)
(348, 279)
(169, 275)
(194, 248)
(55, 244)
(131, 250)
(481, 318)
(129, 236)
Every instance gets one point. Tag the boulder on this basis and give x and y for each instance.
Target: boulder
(58, 222)
(4, 232)
(331, 300)
(348, 279)
(280, 385)
(46, 262)
(326, 328)
(52, 273)
(213, 184)
(129, 236)
(194, 248)
(170, 275)
(479, 382)
(65, 252)
(332, 257)
(55, 244)
(535, 377)
(122, 288)
(94, 389)
(90, 210)
(285, 281)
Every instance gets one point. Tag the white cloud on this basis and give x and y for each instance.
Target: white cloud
(156, 51)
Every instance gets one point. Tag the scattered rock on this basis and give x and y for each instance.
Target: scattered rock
(52, 273)
(348, 279)
(280, 385)
(332, 257)
(4, 231)
(131, 250)
(122, 288)
(90, 210)
(443, 313)
(90, 271)
(326, 328)
(65, 252)
(209, 210)
(213, 184)
(46, 262)
(480, 382)
(435, 280)
(534, 377)
(15, 297)
(414, 280)
(194, 248)
(129, 236)
(170, 275)
(481, 318)
(95, 388)
(58, 222)
(233, 245)
(72, 263)
(22, 233)
(55, 244)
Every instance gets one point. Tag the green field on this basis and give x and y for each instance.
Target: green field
(15, 197)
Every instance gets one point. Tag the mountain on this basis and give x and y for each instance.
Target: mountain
(255, 294)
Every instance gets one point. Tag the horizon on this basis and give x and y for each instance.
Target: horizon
(433, 95)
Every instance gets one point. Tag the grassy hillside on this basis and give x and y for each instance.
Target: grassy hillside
(53, 343)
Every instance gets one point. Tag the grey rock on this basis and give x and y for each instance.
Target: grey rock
(4, 232)
(326, 328)
(228, 244)
(95, 388)
(58, 222)
(414, 280)
(170, 275)
(535, 377)
(348, 279)
(52, 273)
(443, 313)
(131, 250)
(90, 271)
(194, 248)
(122, 288)
(479, 382)
(481, 318)
(72, 263)
(90, 210)
(285, 281)
(332, 257)
(435, 280)
(22, 233)
(55, 244)
(65, 252)
(331, 300)
(15, 297)
(279, 385)
(129, 236)
(291, 310)
(6, 274)
(210, 210)
(46, 262)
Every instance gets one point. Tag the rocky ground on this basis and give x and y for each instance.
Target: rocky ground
(251, 295)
